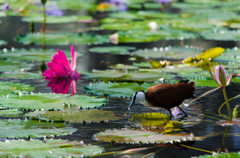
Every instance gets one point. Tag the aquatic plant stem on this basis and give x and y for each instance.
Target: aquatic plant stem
(44, 19)
(196, 148)
(225, 135)
(228, 106)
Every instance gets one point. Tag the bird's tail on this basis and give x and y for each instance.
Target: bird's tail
(187, 89)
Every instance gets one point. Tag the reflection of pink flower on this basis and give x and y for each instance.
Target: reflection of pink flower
(60, 67)
(62, 85)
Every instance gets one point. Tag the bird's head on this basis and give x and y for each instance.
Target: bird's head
(138, 97)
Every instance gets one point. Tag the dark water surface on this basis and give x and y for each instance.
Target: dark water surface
(206, 127)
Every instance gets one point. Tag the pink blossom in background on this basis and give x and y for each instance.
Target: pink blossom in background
(114, 38)
(62, 85)
(60, 67)
(6, 7)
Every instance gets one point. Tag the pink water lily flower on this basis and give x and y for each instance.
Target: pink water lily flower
(221, 76)
(60, 67)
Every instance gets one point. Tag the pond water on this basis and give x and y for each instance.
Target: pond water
(203, 113)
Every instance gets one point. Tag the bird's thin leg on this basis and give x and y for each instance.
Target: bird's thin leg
(183, 111)
(170, 114)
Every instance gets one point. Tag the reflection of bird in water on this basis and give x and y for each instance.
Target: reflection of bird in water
(165, 95)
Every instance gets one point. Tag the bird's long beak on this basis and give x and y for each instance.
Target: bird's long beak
(132, 102)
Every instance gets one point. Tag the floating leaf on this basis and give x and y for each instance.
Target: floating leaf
(173, 126)
(48, 101)
(152, 119)
(74, 116)
(62, 38)
(21, 75)
(77, 5)
(156, 65)
(124, 15)
(168, 52)
(55, 19)
(221, 155)
(145, 5)
(13, 128)
(116, 89)
(196, 75)
(221, 35)
(32, 54)
(134, 36)
(200, 83)
(113, 50)
(124, 67)
(53, 148)
(11, 113)
(8, 87)
(206, 55)
(183, 69)
(143, 65)
(141, 136)
(118, 75)
(2, 42)
(8, 66)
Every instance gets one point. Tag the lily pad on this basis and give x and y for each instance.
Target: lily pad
(196, 75)
(134, 36)
(124, 67)
(122, 50)
(150, 119)
(182, 69)
(118, 75)
(53, 148)
(168, 52)
(48, 101)
(75, 5)
(32, 54)
(87, 116)
(15, 128)
(21, 75)
(62, 38)
(221, 35)
(2, 42)
(220, 155)
(11, 113)
(116, 89)
(54, 19)
(146, 6)
(137, 136)
(8, 66)
(8, 87)
(143, 65)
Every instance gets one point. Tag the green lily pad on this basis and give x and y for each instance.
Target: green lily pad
(74, 5)
(143, 136)
(124, 67)
(15, 128)
(119, 75)
(196, 75)
(11, 113)
(143, 65)
(8, 87)
(116, 89)
(21, 75)
(201, 83)
(221, 35)
(188, 25)
(2, 42)
(222, 155)
(182, 69)
(168, 52)
(8, 66)
(134, 36)
(62, 38)
(54, 19)
(53, 148)
(124, 15)
(48, 101)
(87, 116)
(32, 54)
(122, 50)
(146, 6)
(150, 119)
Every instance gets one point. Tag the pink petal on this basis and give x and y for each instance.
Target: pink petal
(74, 58)
(229, 78)
(222, 76)
(214, 77)
(47, 73)
(75, 75)
(63, 57)
(217, 68)
(62, 68)
(60, 74)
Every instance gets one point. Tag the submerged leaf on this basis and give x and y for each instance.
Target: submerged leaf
(35, 148)
(87, 116)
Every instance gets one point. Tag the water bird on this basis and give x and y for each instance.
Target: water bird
(165, 95)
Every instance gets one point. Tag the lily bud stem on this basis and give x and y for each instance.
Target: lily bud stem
(228, 106)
